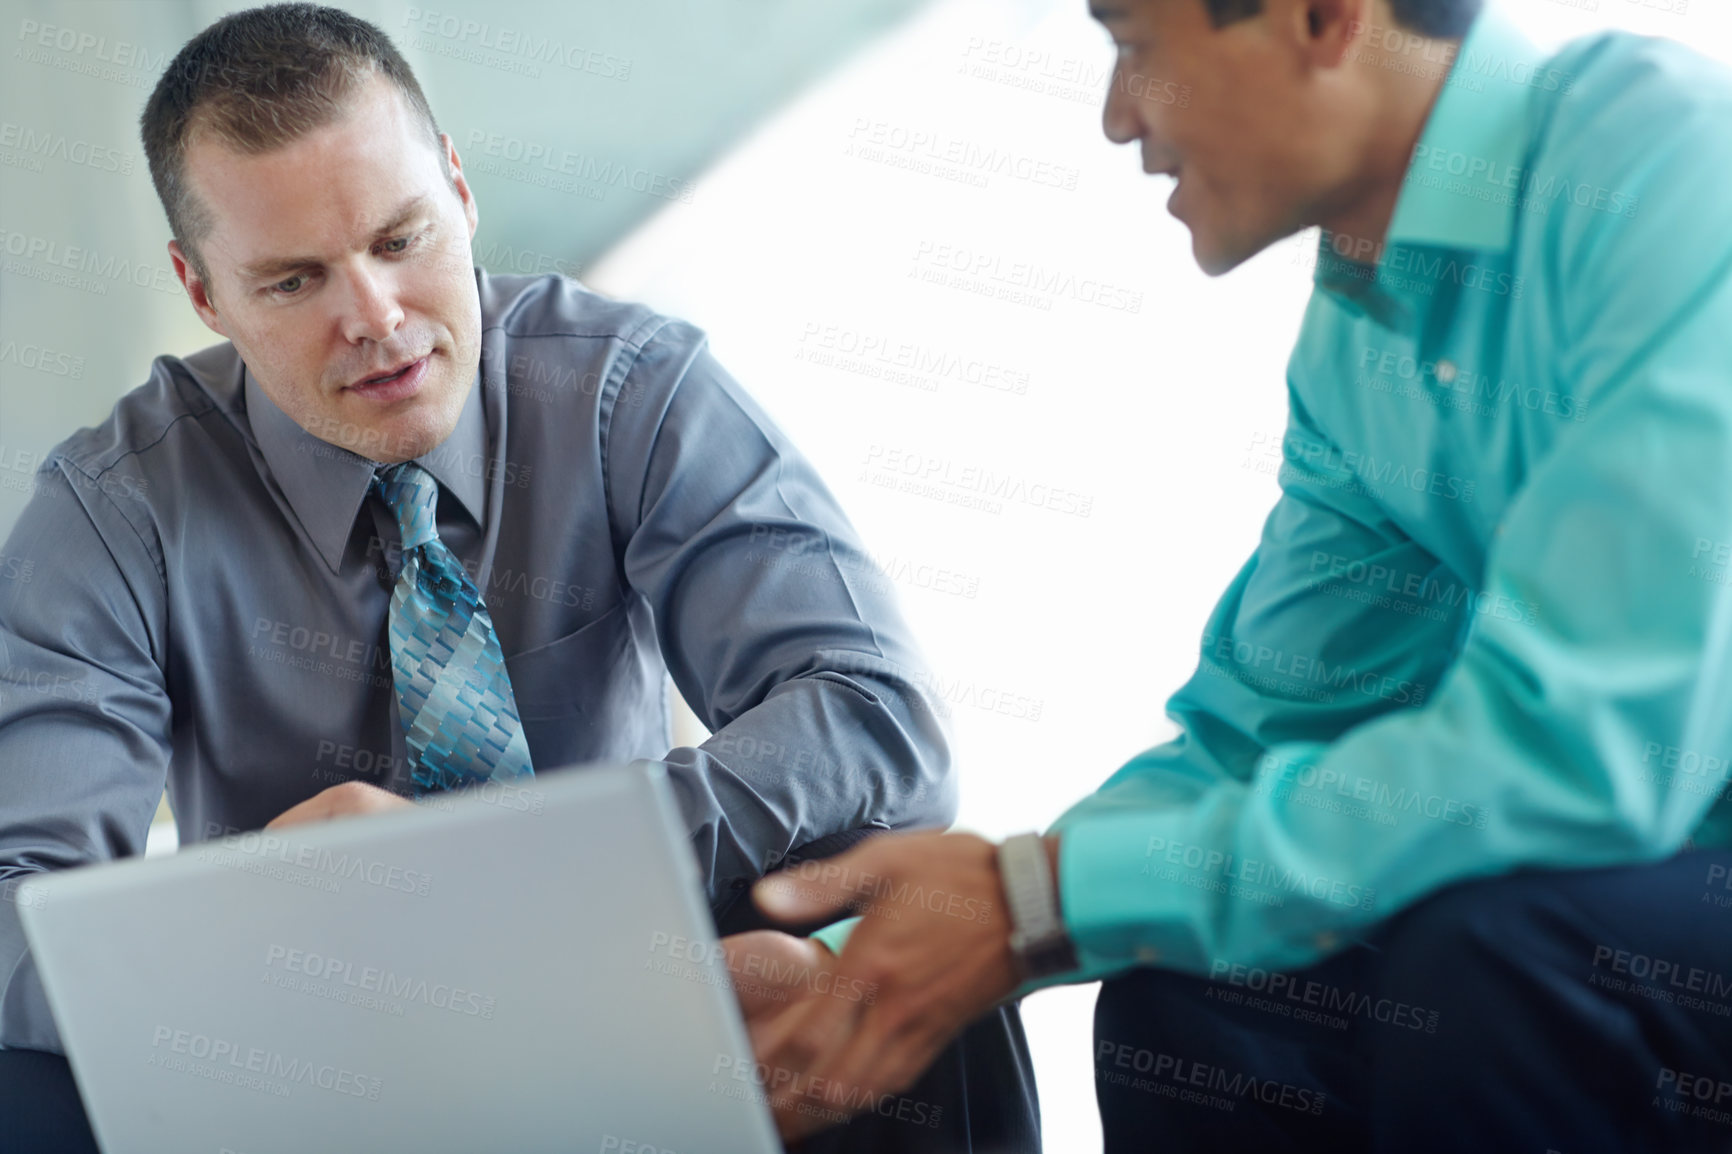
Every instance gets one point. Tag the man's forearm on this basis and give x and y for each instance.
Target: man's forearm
(817, 757)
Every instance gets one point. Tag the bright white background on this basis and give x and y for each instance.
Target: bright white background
(800, 253)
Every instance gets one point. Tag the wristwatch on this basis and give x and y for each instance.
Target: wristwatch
(1037, 934)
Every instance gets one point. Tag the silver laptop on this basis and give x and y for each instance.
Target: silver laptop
(516, 969)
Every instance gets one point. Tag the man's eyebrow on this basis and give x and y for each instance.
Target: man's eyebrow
(1106, 14)
(276, 267)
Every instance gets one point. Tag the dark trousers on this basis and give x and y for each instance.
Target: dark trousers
(40, 1112)
(1575, 1012)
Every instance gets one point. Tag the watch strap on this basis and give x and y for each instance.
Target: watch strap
(1038, 936)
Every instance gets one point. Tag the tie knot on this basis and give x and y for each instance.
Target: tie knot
(413, 496)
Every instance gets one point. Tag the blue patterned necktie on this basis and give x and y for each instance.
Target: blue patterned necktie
(454, 696)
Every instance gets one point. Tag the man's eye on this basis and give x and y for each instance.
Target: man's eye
(288, 287)
(401, 242)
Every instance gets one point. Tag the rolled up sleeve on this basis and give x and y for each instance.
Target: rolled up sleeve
(773, 622)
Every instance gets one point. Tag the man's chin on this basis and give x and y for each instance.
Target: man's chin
(406, 447)
(1216, 257)
(390, 442)
(404, 431)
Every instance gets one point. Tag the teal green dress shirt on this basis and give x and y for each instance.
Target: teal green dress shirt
(1488, 625)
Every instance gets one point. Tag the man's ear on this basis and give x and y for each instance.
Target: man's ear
(460, 183)
(1329, 29)
(197, 290)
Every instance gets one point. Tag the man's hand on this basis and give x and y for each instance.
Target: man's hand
(775, 972)
(933, 947)
(351, 797)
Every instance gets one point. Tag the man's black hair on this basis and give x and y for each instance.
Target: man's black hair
(1444, 19)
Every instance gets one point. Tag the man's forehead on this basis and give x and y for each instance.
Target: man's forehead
(373, 123)
(270, 212)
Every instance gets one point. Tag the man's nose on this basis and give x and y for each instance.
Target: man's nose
(373, 314)
(1119, 118)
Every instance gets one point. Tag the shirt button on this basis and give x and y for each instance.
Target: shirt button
(1446, 371)
(1148, 955)
(1325, 941)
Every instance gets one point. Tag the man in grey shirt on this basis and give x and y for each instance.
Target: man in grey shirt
(211, 572)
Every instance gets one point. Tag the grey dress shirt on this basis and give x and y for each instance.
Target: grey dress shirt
(198, 591)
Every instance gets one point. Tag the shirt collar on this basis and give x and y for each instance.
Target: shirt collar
(1465, 178)
(1464, 181)
(326, 484)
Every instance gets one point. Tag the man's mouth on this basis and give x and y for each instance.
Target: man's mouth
(393, 384)
(387, 375)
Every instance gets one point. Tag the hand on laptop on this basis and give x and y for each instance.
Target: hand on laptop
(351, 797)
(933, 949)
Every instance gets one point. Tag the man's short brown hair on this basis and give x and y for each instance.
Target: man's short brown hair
(257, 80)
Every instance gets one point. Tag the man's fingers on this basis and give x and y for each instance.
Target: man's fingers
(792, 898)
(883, 1056)
(780, 1052)
(350, 797)
(793, 1124)
(787, 1043)
(780, 959)
(813, 889)
(315, 808)
(797, 1047)
(808, 1037)
(778, 962)
(877, 1059)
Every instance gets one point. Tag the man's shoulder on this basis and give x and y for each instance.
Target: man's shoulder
(579, 355)
(1621, 96)
(1624, 182)
(178, 399)
(1610, 57)
(553, 304)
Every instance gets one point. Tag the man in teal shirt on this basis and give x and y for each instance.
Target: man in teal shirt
(1440, 859)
